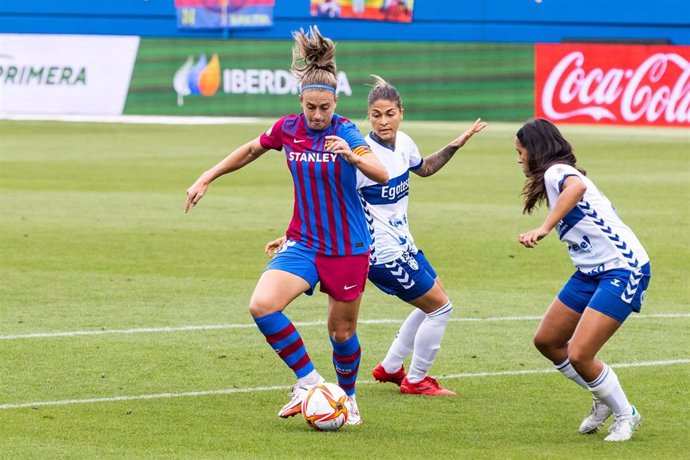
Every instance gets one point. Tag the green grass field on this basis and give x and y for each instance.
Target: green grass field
(97, 259)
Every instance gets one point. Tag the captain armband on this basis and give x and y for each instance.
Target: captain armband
(361, 150)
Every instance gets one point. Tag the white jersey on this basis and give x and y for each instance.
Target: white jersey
(386, 205)
(597, 238)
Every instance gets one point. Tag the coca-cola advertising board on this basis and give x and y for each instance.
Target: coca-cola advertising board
(613, 84)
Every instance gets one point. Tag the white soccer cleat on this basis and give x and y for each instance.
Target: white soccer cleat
(624, 427)
(596, 418)
(353, 417)
(297, 394)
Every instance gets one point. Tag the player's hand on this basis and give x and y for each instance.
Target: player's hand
(196, 192)
(272, 247)
(339, 146)
(530, 239)
(464, 137)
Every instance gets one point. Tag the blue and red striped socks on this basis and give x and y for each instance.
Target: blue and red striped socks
(285, 340)
(346, 356)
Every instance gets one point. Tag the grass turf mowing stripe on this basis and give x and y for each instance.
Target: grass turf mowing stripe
(229, 391)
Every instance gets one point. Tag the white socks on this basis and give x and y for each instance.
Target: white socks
(569, 371)
(608, 390)
(605, 388)
(311, 378)
(420, 332)
(427, 342)
(404, 342)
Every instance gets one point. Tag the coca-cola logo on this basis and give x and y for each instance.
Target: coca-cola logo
(657, 90)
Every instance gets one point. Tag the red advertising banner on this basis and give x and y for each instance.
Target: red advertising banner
(613, 84)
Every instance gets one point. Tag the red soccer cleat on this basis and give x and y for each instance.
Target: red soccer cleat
(380, 374)
(428, 387)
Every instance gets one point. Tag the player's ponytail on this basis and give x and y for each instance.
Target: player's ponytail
(313, 60)
(382, 90)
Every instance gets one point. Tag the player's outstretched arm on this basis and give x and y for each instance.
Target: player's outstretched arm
(437, 160)
(573, 189)
(363, 158)
(239, 158)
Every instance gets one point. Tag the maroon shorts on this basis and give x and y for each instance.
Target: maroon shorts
(343, 277)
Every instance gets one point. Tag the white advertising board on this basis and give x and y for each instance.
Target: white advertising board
(65, 74)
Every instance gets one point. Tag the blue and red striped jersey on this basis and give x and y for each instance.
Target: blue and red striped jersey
(327, 215)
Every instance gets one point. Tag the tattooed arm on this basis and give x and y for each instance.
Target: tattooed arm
(437, 160)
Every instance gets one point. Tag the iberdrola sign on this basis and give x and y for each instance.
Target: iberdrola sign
(205, 77)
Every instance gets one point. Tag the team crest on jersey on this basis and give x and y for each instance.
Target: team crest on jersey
(413, 264)
(288, 244)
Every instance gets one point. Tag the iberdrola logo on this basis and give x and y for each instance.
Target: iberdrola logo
(200, 78)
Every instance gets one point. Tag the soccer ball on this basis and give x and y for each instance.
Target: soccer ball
(324, 407)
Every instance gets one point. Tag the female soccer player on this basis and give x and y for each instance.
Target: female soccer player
(612, 273)
(328, 237)
(397, 266)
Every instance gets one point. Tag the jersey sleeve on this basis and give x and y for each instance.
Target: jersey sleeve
(362, 180)
(416, 160)
(354, 138)
(273, 138)
(556, 175)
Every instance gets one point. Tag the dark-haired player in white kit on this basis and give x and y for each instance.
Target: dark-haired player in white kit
(612, 273)
(398, 267)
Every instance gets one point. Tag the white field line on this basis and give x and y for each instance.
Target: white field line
(230, 391)
(143, 330)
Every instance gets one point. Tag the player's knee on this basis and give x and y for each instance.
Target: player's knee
(258, 307)
(546, 344)
(342, 332)
(579, 358)
(255, 310)
(342, 336)
(541, 342)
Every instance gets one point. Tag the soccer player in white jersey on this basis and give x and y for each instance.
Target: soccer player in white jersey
(398, 267)
(612, 273)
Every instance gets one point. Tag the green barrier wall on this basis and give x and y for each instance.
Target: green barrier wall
(438, 81)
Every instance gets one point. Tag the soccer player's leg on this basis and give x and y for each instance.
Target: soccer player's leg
(560, 320)
(391, 368)
(437, 309)
(555, 331)
(415, 281)
(343, 279)
(610, 306)
(287, 276)
(392, 278)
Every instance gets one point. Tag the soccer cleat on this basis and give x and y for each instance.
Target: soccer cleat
(597, 416)
(624, 427)
(428, 386)
(353, 417)
(380, 374)
(297, 395)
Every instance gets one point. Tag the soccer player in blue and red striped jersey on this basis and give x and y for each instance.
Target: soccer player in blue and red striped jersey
(397, 266)
(329, 238)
